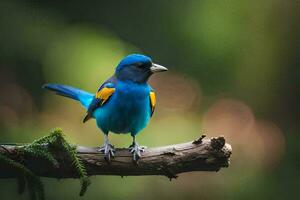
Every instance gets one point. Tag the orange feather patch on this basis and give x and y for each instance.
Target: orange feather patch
(152, 101)
(104, 94)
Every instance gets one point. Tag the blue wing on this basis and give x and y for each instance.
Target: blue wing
(102, 96)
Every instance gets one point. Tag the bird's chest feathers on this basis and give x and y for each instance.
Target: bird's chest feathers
(132, 96)
(132, 99)
(128, 110)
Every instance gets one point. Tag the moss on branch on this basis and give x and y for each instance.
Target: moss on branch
(44, 148)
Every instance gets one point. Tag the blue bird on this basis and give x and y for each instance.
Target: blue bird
(123, 104)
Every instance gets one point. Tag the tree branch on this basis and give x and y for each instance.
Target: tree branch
(199, 155)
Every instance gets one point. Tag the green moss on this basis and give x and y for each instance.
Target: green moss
(26, 176)
(44, 148)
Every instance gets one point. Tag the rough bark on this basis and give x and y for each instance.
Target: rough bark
(199, 155)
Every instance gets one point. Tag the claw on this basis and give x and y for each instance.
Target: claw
(135, 149)
(108, 150)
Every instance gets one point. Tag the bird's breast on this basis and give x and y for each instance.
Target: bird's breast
(132, 91)
(132, 99)
(128, 110)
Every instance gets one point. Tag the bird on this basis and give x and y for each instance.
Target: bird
(123, 104)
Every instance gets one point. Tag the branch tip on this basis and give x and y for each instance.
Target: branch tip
(218, 143)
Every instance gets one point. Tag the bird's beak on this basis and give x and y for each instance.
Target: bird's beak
(157, 68)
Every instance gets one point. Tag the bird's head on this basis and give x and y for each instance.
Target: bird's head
(137, 68)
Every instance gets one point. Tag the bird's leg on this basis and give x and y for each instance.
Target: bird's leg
(136, 150)
(107, 149)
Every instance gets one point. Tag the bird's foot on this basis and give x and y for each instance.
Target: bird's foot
(108, 150)
(136, 150)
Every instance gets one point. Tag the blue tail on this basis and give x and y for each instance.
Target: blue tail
(84, 97)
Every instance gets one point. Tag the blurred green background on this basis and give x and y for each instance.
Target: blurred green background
(233, 71)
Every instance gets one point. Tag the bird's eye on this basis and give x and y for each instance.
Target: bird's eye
(140, 65)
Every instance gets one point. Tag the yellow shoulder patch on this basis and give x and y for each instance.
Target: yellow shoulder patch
(152, 101)
(104, 94)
